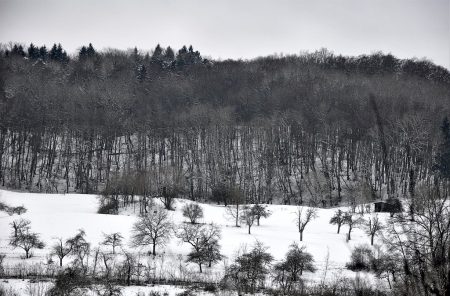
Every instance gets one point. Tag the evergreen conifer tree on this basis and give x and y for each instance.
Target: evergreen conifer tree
(169, 54)
(82, 53)
(17, 50)
(157, 55)
(43, 52)
(90, 51)
(33, 51)
(53, 55)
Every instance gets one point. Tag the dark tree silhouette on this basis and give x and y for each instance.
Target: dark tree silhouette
(154, 229)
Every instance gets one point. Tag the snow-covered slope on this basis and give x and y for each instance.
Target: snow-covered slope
(58, 215)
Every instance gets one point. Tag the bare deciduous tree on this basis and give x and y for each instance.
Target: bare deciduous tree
(423, 243)
(260, 212)
(352, 220)
(303, 218)
(204, 240)
(113, 239)
(287, 273)
(61, 249)
(19, 226)
(249, 270)
(153, 229)
(373, 226)
(81, 248)
(338, 219)
(193, 212)
(27, 241)
(233, 211)
(248, 217)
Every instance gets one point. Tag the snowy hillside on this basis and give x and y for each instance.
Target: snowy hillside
(54, 216)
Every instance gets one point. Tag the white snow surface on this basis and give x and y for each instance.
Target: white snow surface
(27, 287)
(61, 215)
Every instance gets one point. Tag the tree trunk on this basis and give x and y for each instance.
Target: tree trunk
(301, 235)
(129, 275)
(237, 214)
(339, 228)
(249, 229)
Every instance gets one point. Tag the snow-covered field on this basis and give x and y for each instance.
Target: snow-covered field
(58, 215)
(27, 287)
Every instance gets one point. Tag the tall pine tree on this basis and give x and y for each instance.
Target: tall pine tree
(82, 53)
(33, 52)
(53, 54)
(157, 56)
(43, 52)
(17, 50)
(169, 54)
(90, 51)
(57, 53)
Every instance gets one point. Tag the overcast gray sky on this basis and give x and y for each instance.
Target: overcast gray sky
(236, 28)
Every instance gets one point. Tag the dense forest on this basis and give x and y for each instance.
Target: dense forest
(315, 127)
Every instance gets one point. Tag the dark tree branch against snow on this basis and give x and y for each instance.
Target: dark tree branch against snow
(154, 229)
(303, 218)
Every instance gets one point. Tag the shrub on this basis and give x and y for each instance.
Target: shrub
(71, 280)
(12, 210)
(109, 289)
(210, 287)
(193, 212)
(361, 259)
(16, 210)
(7, 292)
(109, 207)
(186, 293)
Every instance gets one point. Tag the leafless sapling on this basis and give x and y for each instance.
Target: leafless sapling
(81, 248)
(303, 218)
(248, 217)
(27, 241)
(61, 249)
(338, 219)
(113, 239)
(352, 220)
(233, 211)
(373, 226)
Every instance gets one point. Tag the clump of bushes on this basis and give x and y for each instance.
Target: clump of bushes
(210, 287)
(186, 293)
(108, 206)
(12, 210)
(7, 292)
(69, 282)
(362, 258)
